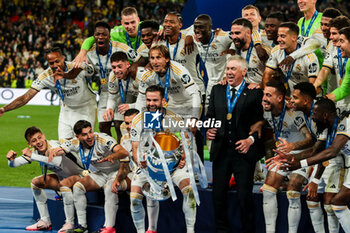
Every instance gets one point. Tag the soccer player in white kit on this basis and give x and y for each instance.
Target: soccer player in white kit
(325, 116)
(122, 89)
(304, 69)
(334, 62)
(99, 56)
(155, 101)
(210, 45)
(62, 167)
(327, 177)
(291, 135)
(241, 34)
(149, 30)
(181, 92)
(93, 148)
(78, 101)
(175, 42)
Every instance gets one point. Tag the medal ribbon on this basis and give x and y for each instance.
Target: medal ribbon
(341, 65)
(166, 84)
(331, 135)
(290, 68)
(176, 47)
(58, 85)
(308, 118)
(128, 41)
(103, 70)
(86, 163)
(189, 165)
(310, 25)
(202, 68)
(249, 53)
(278, 128)
(231, 105)
(121, 89)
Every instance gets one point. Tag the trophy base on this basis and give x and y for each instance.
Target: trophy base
(149, 192)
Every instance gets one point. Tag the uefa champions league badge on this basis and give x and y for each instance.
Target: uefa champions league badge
(152, 120)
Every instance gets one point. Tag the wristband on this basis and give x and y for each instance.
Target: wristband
(316, 181)
(303, 163)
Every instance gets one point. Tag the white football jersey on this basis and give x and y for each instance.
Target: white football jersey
(93, 58)
(103, 147)
(304, 67)
(183, 91)
(189, 61)
(76, 92)
(292, 123)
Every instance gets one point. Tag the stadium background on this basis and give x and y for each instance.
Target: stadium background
(27, 28)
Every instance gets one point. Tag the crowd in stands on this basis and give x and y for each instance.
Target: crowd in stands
(291, 10)
(27, 28)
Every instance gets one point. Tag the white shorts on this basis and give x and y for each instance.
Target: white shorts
(139, 178)
(102, 178)
(69, 116)
(301, 171)
(347, 172)
(333, 176)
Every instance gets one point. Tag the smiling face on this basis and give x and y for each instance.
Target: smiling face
(154, 101)
(239, 35)
(38, 141)
(131, 24)
(325, 27)
(253, 16)
(298, 101)
(271, 98)
(171, 25)
(120, 69)
(344, 46)
(234, 73)
(271, 28)
(86, 137)
(128, 120)
(158, 61)
(334, 36)
(202, 30)
(306, 5)
(55, 60)
(286, 39)
(102, 37)
(147, 36)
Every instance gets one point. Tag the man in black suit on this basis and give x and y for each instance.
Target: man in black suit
(232, 149)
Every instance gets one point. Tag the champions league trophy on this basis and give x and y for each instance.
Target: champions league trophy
(163, 151)
(172, 151)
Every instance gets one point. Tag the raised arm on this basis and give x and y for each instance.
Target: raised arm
(19, 102)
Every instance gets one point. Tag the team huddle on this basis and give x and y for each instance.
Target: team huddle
(281, 92)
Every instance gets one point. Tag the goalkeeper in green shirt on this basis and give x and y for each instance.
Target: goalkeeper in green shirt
(128, 33)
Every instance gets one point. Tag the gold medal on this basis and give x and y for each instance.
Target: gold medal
(85, 173)
(202, 73)
(103, 81)
(165, 105)
(325, 163)
(340, 81)
(229, 116)
(277, 143)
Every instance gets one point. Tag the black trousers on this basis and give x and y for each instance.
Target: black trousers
(227, 163)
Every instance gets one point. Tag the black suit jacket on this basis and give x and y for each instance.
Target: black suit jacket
(248, 110)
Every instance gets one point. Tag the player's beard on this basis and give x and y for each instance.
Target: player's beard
(320, 126)
(158, 108)
(240, 44)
